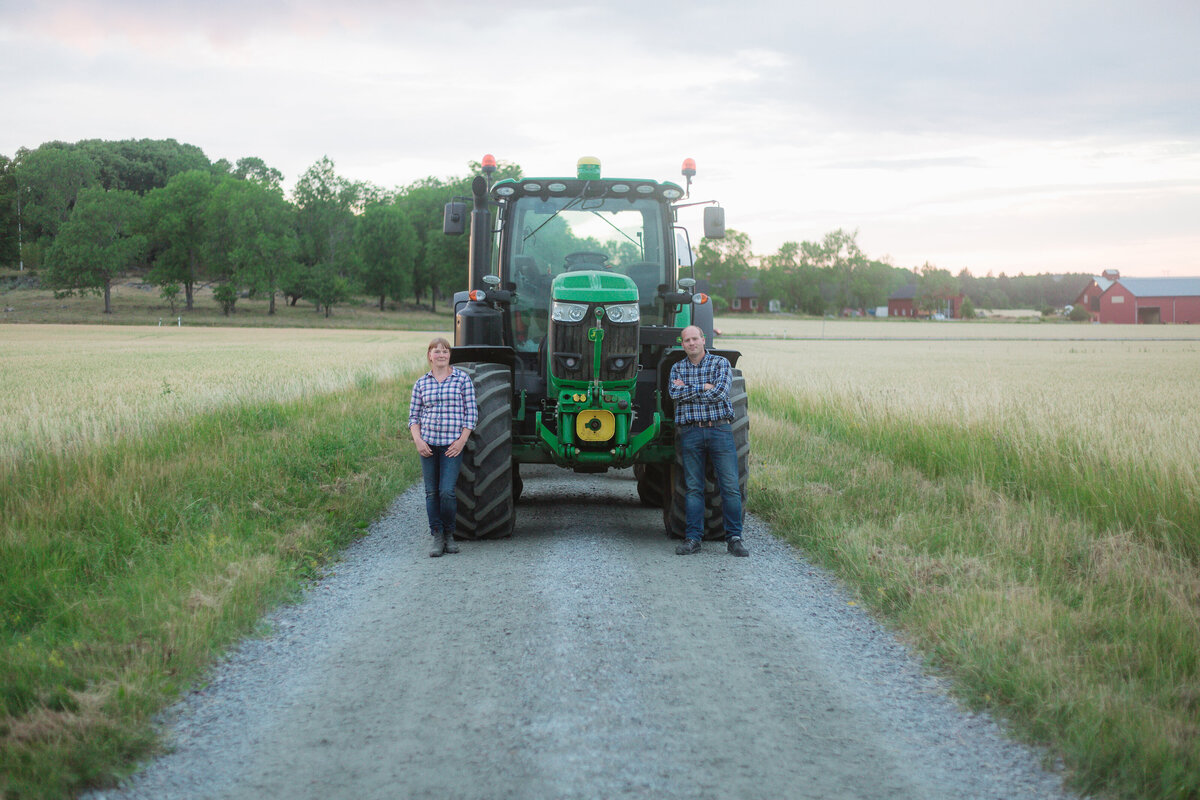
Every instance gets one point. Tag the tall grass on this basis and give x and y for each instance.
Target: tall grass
(1049, 566)
(126, 567)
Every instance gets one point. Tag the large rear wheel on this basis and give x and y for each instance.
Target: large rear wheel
(485, 482)
(675, 505)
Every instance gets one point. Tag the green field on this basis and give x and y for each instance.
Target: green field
(1024, 509)
(1026, 512)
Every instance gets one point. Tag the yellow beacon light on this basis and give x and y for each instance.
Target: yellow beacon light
(588, 168)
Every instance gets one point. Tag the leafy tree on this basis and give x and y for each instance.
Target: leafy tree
(724, 262)
(256, 170)
(326, 205)
(251, 235)
(10, 232)
(169, 292)
(387, 247)
(226, 295)
(96, 244)
(440, 263)
(175, 224)
(141, 165)
(935, 288)
(327, 287)
(49, 179)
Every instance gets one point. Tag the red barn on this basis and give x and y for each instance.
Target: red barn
(901, 303)
(1150, 301)
(1089, 298)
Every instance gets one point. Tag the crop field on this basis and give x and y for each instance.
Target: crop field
(66, 386)
(1021, 501)
(1027, 512)
(1025, 327)
(160, 488)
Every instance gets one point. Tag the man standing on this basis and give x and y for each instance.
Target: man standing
(700, 387)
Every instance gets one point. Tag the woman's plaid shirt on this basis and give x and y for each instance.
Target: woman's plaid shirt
(443, 409)
(694, 403)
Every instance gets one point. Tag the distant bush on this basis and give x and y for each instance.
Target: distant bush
(1079, 314)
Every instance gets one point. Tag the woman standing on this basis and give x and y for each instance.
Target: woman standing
(441, 416)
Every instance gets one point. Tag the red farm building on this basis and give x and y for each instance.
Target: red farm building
(1150, 301)
(1089, 298)
(903, 303)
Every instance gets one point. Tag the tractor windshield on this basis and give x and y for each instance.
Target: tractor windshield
(546, 237)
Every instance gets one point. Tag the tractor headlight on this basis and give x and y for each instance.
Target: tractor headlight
(569, 312)
(626, 312)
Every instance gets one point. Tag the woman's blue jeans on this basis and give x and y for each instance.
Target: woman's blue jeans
(441, 474)
(714, 444)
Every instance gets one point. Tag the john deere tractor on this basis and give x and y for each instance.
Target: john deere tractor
(569, 327)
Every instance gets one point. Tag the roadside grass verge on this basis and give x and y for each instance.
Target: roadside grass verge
(126, 569)
(1058, 587)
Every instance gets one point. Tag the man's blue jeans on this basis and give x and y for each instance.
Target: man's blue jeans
(441, 473)
(716, 445)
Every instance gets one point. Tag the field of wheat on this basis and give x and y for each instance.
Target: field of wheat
(70, 385)
(1014, 328)
(1024, 505)
(1027, 511)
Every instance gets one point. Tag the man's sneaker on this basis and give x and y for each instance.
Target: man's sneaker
(687, 547)
(736, 547)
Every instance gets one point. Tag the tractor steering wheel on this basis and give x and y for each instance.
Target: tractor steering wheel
(586, 259)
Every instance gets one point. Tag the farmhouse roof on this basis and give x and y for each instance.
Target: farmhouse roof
(747, 287)
(1161, 287)
(906, 292)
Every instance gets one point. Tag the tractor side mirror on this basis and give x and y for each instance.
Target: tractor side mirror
(454, 219)
(714, 222)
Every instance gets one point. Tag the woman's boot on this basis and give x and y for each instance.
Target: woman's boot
(451, 545)
(439, 544)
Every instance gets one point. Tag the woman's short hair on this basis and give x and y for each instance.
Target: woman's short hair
(435, 342)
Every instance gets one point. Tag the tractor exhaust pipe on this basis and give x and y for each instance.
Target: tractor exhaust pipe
(481, 234)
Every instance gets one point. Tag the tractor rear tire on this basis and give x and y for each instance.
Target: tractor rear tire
(485, 488)
(675, 507)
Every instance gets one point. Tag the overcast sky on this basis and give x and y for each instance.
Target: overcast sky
(1019, 136)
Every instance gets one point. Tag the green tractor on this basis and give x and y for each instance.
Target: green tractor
(569, 327)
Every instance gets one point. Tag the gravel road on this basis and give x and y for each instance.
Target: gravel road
(579, 659)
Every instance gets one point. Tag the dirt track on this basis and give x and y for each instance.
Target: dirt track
(579, 659)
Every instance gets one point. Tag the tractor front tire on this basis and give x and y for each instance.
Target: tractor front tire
(485, 481)
(652, 483)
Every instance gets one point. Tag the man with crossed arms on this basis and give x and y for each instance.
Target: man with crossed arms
(700, 387)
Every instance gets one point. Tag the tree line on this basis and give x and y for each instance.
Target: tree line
(833, 275)
(83, 214)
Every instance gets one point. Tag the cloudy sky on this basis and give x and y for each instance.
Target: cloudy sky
(1023, 136)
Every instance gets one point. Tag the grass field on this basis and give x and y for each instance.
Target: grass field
(138, 303)
(1023, 508)
(68, 386)
(776, 326)
(1028, 513)
(165, 488)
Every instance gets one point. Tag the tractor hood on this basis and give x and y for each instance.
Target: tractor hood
(594, 287)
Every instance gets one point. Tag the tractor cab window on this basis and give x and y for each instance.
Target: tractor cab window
(547, 237)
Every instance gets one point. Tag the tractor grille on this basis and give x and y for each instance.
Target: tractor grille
(569, 341)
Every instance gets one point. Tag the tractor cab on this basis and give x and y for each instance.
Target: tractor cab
(556, 227)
